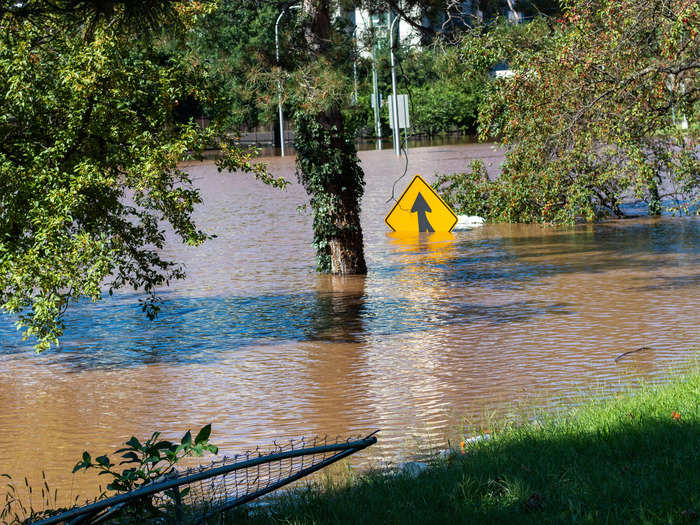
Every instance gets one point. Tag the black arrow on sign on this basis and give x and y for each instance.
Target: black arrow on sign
(421, 207)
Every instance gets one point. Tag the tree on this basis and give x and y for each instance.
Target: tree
(236, 40)
(91, 140)
(315, 69)
(591, 115)
(95, 116)
(327, 162)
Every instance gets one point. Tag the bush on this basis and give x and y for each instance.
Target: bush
(468, 193)
(511, 198)
(444, 106)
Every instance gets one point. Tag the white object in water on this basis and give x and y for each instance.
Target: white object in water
(467, 222)
(413, 468)
(478, 437)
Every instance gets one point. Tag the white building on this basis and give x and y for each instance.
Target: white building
(408, 35)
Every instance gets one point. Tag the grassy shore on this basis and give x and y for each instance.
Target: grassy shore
(634, 458)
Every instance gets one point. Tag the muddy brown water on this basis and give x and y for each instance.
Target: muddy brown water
(443, 330)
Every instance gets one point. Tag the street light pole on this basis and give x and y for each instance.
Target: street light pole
(394, 98)
(375, 89)
(354, 66)
(279, 81)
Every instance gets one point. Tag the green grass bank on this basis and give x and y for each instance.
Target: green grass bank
(633, 458)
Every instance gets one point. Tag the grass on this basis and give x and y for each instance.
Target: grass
(631, 459)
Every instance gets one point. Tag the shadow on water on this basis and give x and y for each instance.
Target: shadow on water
(116, 333)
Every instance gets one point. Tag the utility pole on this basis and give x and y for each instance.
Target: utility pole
(354, 66)
(279, 81)
(394, 98)
(375, 90)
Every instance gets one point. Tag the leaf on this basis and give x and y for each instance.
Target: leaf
(203, 434)
(134, 443)
(86, 457)
(103, 461)
(186, 439)
(131, 455)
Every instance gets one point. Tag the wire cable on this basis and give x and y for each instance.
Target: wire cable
(402, 147)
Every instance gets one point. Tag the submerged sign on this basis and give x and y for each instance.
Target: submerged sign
(420, 209)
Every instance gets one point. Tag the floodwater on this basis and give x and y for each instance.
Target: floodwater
(443, 330)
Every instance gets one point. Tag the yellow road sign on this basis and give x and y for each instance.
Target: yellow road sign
(420, 209)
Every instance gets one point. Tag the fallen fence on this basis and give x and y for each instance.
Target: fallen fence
(196, 494)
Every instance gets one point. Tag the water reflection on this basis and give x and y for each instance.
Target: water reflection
(337, 374)
(340, 309)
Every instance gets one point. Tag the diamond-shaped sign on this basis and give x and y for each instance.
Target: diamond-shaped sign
(420, 209)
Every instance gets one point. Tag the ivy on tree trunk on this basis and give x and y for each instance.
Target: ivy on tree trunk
(328, 168)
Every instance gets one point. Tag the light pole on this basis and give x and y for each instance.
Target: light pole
(279, 81)
(394, 98)
(375, 89)
(354, 66)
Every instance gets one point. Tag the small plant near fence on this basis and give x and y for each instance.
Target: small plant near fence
(149, 461)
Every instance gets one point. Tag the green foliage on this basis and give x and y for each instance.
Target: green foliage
(445, 106)
(359, 117)
(91, 141)
(588, 116)
(149, 461)
(441, 100)
(471, 193)
(509, 198)
(236, 42)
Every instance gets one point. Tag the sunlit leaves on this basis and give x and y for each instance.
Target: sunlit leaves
(90, 146)
(148, 461)
(593, 111)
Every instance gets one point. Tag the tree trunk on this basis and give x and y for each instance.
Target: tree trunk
(346, 245)
(328, 166)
